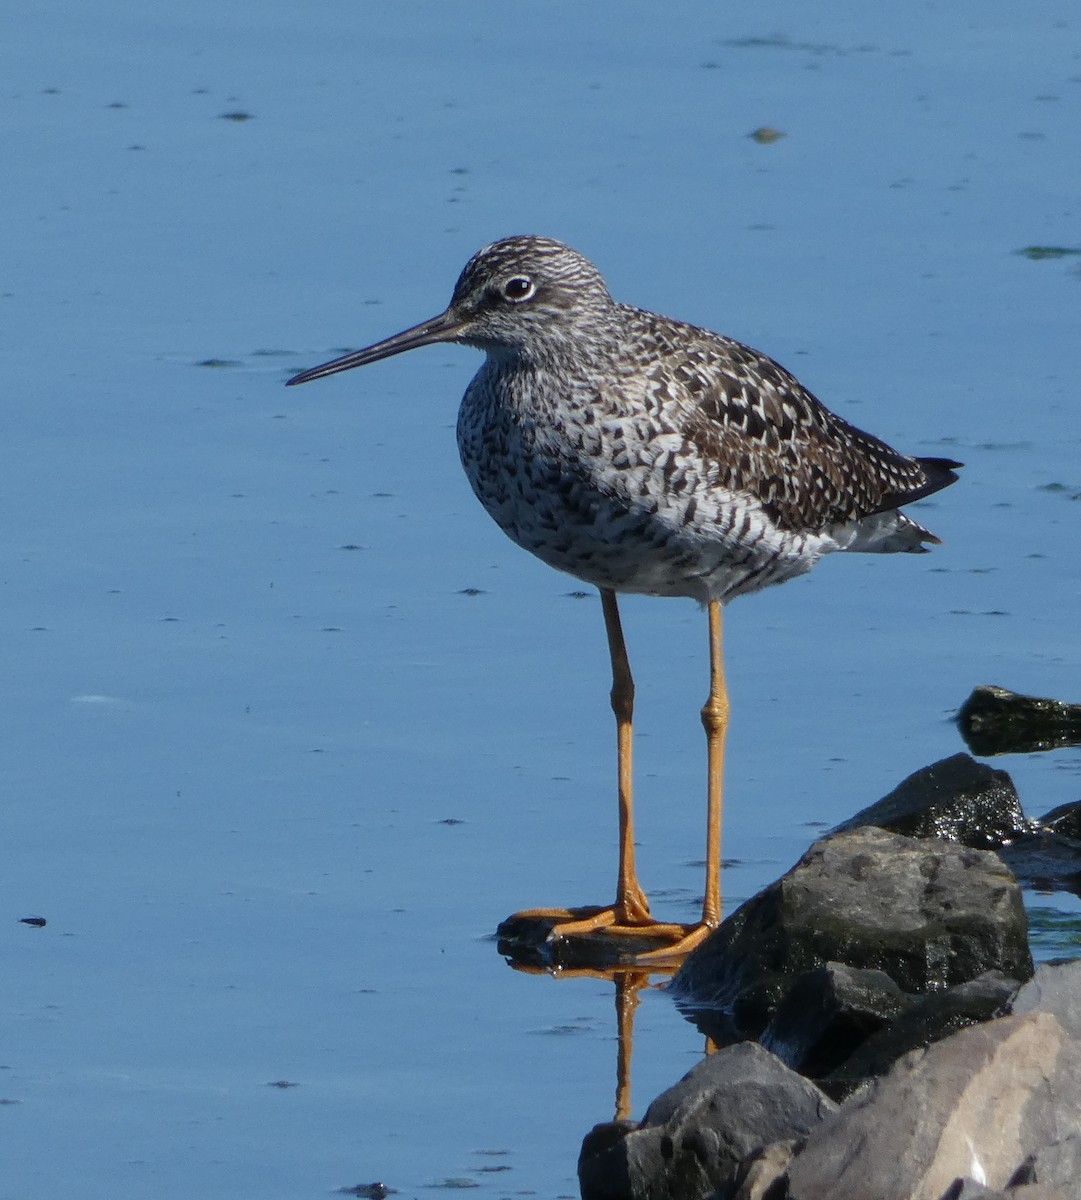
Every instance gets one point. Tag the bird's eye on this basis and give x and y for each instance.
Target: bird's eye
(518, 289)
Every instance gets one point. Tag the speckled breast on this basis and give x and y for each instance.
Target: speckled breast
(615, 500)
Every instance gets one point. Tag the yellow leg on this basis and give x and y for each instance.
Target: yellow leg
(630, 914)
(715, 714)
(631, 903)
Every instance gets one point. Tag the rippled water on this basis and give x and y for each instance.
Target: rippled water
(290, 725)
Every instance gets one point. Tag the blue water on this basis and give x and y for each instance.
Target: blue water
(245, 689)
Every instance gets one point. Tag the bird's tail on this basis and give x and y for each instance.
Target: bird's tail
(890, 532)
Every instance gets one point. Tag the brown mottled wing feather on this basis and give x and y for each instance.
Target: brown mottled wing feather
(766, 435)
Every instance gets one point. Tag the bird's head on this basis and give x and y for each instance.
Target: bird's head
(527, 297)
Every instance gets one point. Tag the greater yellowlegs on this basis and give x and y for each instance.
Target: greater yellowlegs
(640, 454)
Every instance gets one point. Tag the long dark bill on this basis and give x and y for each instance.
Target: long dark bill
(443, 328)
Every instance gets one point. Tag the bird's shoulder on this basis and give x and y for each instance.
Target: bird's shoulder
(759, 430)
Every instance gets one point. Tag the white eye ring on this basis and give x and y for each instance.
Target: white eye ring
(518, 288)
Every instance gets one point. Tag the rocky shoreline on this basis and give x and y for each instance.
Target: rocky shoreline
(880, 1032)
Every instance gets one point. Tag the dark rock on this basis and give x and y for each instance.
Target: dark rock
(1046, 860)
(607, 1167)
(929, 1019)
(695, 1136)
(930, 914)
(957, 798)
(1055, 988)
(965, 801)
(828, 1012)
(1064, 820)
(996, 721)
(977, 1104)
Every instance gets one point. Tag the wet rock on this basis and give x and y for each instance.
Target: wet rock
(827, 1013)
(1064, 820)
(957, 798)
(1049, 856)
(965, 801)
(928, 1019)
(929, 914)
(1055, 988)
(977, 1104)
(1046, 860)
(611, 1166)
(996, 721)
(695, 1136)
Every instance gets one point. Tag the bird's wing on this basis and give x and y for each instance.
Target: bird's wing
(761, 432)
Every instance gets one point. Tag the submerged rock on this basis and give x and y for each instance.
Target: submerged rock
(1046, 860)
(996, 721)
(928, 914)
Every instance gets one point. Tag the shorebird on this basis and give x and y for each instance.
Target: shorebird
(641, 454)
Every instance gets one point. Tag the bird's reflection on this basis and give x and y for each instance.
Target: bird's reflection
(629, 983)
(525, 948)
(524, 942)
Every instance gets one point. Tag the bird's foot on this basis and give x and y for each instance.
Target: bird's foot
(614, 922)
(672, 955)
(616, 933)
(629, 915)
